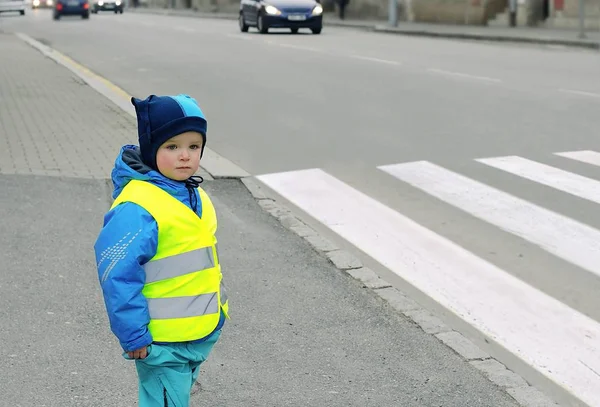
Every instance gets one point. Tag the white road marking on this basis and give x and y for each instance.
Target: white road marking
(566, 181)
(184, 29)
(293, 46)
(585, 156)
(382, 61)
(580, 93)
(564, 237)
(240, 37)
(543, 332)
(463, 75)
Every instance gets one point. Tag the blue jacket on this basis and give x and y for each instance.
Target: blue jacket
(129, 239)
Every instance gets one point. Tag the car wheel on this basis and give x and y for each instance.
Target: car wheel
(316, 30)
(116, 11)
(242, 23)
(260, 25)
(294, 30)
(121, 11)
(56, 16)
(85, 16)
(22, 12)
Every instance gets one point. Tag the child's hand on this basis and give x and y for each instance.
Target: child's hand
(140, 353)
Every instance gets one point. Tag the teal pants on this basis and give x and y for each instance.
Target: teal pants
(167, 374)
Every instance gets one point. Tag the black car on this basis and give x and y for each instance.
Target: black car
(108, 5)
(71, 8)
(292, 14)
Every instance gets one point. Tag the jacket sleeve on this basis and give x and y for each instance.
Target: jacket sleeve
(128, 240)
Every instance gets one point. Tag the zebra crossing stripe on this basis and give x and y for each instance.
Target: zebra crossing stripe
(564, 237)
(545, 333)
(585, 156)
(556, 178)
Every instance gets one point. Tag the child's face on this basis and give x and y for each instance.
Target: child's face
(179, 157)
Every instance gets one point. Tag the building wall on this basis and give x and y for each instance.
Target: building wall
(591, 7)
(449, 11)
(473, 12)
(566, 14)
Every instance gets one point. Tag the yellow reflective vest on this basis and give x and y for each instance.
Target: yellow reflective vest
(184, 286)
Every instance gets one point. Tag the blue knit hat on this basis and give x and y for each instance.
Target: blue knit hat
(163, 117)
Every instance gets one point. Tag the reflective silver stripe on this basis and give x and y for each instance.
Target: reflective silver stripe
(179, 264)
(183, 307)
(223, 293)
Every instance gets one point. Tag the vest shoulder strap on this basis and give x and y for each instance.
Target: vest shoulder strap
(209, 215)
(153, 199)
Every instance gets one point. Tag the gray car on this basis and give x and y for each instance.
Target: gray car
(292, 14)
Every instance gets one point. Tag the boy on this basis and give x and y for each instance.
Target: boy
(157, 256)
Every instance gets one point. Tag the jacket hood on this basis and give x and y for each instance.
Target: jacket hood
(129, 166)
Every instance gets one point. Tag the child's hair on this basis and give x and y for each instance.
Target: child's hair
(163, 117)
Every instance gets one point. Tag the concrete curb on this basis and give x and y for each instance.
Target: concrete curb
(489, 37)
(517, 387)
(375, 27)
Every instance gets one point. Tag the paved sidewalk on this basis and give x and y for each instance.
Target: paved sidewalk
(57, 124)
(53, 123)
(303, 333)
(546, 36)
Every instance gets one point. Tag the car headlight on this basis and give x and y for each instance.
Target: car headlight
(272, 10)
(36, 3)
(318, 10)
(118, 2)
(49, 2)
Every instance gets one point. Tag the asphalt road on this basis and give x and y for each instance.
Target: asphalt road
(347, 102)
